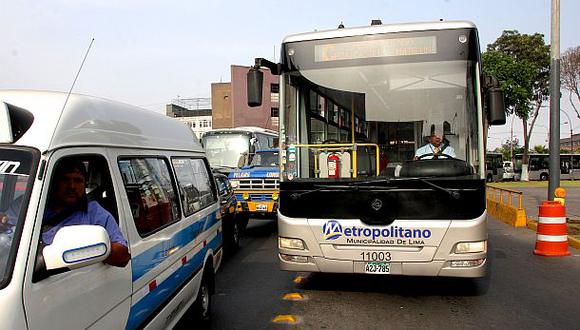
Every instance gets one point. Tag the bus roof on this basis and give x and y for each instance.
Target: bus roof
(252, 129)
(92, 121)
(376, 29)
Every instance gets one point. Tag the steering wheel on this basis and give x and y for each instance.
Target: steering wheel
(445, 156)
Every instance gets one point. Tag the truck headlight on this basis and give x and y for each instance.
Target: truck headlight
(471, 247)
(235, 183)
(291, 243)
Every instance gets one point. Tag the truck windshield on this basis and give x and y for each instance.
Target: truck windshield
(15, 184)
(265, 159)
(226, 149)
(372, 105)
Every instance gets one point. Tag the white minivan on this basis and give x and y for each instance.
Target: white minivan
(146, 172)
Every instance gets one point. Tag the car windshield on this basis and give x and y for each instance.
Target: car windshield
(226, 149)
(15, 170)
(265, 159)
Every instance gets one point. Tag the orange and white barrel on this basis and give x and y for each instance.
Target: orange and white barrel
(552, 236)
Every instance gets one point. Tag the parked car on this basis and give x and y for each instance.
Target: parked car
(232, 227)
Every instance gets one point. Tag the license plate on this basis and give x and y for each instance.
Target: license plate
(378, 267)
(262, 207)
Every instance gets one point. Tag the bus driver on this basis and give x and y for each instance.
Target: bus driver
(434, 149)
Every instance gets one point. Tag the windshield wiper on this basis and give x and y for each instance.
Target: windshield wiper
(350, 186)
(453, 194)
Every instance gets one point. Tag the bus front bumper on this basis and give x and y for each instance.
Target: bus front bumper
(437, 259)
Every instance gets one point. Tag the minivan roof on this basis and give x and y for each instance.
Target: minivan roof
(92, 121)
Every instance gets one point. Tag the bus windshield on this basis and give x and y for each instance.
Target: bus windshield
(378, 103)
(265, 159)
(226, 149)
(15, 171)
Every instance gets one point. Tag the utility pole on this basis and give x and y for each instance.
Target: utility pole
(554, 100)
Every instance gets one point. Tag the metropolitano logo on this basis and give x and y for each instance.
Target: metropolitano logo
(332, 230)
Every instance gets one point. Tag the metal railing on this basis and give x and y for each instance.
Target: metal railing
(505, 196)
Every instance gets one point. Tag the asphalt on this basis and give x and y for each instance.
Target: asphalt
(521, 291)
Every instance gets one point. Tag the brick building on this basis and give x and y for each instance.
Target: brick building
(230, 102)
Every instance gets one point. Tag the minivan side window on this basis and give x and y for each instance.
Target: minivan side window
(195, 184)
(151, 193)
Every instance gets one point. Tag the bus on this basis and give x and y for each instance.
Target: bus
(231, 148)
(493, 167)
(496, 169)
(357, 104)
(539, 166)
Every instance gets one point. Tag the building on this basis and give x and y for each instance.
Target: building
(575, 145)
(195, 112)
(230, 101)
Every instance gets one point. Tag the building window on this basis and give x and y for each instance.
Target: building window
(275, 93)
(192, 124)
(274, 112)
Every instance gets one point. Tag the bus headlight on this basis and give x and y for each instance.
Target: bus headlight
(275, 196)
(235, 183)
(471, 247)
(291, 243)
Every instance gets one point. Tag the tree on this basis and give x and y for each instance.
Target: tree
(521, 63)
(570, 74)
(540, 149)
(509, 149)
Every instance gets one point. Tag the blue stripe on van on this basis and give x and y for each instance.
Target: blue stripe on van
(155, 255)
(149, 304)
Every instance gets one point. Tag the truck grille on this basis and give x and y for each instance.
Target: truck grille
(251, 184)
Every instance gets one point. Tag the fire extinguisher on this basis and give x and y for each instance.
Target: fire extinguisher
(333, 165)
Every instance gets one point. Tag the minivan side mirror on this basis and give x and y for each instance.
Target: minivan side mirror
(77, 246)
(255, 79)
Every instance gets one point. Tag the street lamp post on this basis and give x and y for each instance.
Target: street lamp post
(554, 100)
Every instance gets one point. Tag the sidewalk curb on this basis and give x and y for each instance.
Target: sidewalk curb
(572, 241)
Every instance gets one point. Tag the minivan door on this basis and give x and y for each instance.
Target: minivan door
(95, 296)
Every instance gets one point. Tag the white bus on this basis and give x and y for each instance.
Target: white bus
(229, 148)
(357, 104)
(539, 166)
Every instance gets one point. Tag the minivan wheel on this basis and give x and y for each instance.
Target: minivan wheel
(203, 300)
(235, 235)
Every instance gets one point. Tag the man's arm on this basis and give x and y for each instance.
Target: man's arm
(119, 256)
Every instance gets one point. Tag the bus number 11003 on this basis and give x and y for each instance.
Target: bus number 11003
(376, 256)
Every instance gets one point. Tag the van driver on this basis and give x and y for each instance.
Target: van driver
(68, 206)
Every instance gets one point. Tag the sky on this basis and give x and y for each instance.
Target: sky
(148, 52)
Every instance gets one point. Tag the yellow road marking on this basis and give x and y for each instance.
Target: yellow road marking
(294, 296)
(285, 319)
(299, 279)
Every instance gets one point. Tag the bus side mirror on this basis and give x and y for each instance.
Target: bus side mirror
(255, 79)
(496, 106)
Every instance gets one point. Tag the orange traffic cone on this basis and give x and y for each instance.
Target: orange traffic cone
(552, 237)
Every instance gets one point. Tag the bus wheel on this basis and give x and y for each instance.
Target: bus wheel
(489, 178)
(544, 176)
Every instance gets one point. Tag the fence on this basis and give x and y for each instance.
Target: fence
(500, 204)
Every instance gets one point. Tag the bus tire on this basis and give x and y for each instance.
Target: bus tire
(544, 176)
(489, 178)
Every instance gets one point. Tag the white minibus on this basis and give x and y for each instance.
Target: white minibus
(135, 246)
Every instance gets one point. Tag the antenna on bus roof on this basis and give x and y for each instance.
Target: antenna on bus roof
(73, 85)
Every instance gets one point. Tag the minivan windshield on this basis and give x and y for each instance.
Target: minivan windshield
(15, 171)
